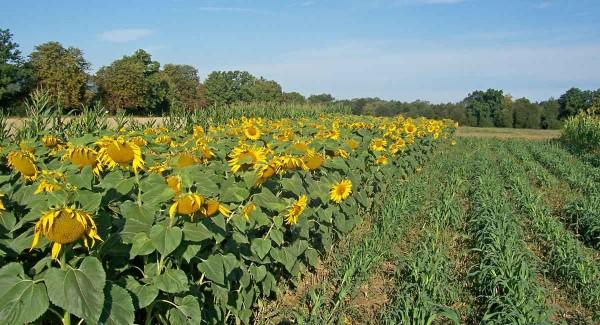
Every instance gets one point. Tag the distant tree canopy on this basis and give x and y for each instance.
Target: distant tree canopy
(132, 83)
(15, 76)
(320, 99)
(185, 89)
(293, 97)
(62, 71)
(228, 87)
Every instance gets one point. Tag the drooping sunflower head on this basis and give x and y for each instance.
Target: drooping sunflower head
(248, 210)
(50, 141)
(290, 162)
(82, 156)
(51, 181)
(212, 206)
(120, 152)
(186, 159)
(64, 226)
(2, 208)
(340, 191)
(188, 204)
(378, 144)
(24, 163)
(296, 210)
(174, 183)
(313, 160)
(245, 157)
(353, 144)
(267, 171)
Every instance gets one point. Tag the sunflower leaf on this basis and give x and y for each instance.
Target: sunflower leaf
(165, 239)
(79, 291)
(261, 247)
(213, 268)
(172, 281)
(143, 294)
(118, 306)
(21, 300)
(187, 311)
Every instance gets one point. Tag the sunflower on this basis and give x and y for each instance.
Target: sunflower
(342, 153)
(313, 160)
(64, 226)
(211, 206)
(185, 159)
(139, 141)
(159, 168)
(120, 152)
(51, 181)
(248, 210)
(83, 156)
(353, 144)
(290, 162)
(174, 183)
(188, 204)
(207, 153)
(382, 160)
(164, 139)
(245, 157)
(334, 134)
(291, 218)
(198, 131)
(24, 163)
(453, 142)
(340, 191)
(50, 141)
(251, 131)
(378, 144)
(267, 171)
(410, 128)
(2, 208)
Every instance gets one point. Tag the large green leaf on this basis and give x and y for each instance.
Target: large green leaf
(118, 307)
(213, 268)
(235, 193)
(266, 199)
(143, 294)
(142, 245)
(88, 200)
(21, 299)
(165, 239)
(196, 232)
(79, 291)
(117, 181)
(293, 184)
(172, 281)
(137, 219)
(186, 312)
(261, 247)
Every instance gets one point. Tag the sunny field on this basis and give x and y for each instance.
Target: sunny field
(201, 223)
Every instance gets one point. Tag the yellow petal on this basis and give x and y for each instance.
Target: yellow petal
(56, 250)
(173, 210)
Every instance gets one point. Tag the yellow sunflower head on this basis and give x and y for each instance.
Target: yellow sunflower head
(378, 144)
(410, 128)
(174, 183)
(290, 162)
(340, 191)
(2, 208)
(353, 144)
(248, 210)
(382, 160)
(83, 156)
(212, 206)
(64, 226)
(24, 163)
(296, 210)
(251, 131)
(188, 204)
(245, 157)
(120, 152)
(267, 171)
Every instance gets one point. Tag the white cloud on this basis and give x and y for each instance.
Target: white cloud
(125, 35)
(437, 73)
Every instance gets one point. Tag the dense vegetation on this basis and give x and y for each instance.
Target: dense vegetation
(139, 85)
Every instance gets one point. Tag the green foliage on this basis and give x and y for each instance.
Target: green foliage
(132, 83)
(574, 101)
(61, 71)
(583, 131)
(14, 73)
(185, 90)
(228, 87)
(320, 98)
(527, 114)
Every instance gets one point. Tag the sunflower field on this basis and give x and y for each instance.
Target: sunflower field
(172, 226)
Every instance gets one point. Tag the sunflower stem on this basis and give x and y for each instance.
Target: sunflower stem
(63, 266)
(67, 318)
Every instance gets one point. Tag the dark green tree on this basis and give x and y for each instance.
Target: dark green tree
(527, 114)
(293, 97)
(62, 71)
(264, 90)
(484, 108)
(227, 87)
(15, 77)
(574, 101)
(184, 86)
(550, 111)
(320, 99)
(133, 83)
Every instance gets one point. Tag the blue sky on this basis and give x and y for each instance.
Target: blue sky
(436, 50)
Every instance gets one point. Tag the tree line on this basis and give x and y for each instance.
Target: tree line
(490, 108)
(137, 84)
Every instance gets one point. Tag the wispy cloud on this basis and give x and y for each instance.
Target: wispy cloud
(436, 73)
(235, 9)
(543, 4)
(125, 34)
